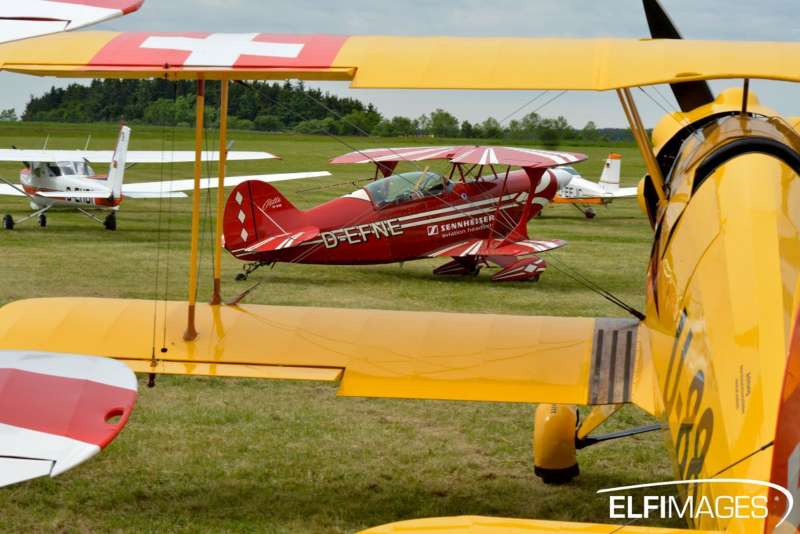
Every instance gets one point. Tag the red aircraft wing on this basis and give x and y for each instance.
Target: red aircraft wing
(22, 20)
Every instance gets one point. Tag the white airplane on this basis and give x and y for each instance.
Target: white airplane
(65, 178)
(583, 193)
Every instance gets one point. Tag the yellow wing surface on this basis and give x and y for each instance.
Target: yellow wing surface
(403, 62)
(374, 353)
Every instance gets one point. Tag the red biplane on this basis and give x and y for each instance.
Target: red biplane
(473, 217)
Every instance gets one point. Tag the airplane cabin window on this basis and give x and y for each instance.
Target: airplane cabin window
(53, 170)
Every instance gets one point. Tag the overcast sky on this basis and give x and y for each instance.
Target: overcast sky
(762, 20)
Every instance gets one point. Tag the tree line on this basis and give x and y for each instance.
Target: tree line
(286, 107)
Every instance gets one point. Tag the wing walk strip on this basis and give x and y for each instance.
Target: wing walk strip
(614, 350)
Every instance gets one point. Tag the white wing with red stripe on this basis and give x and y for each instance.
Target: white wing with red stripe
(58, 410)
(31, 18)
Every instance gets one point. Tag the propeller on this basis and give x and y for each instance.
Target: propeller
(690, 95)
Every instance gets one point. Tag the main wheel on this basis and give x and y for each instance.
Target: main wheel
(111, 221)
(590, 213)
(241, 277)
(8, 222)
(43, 220)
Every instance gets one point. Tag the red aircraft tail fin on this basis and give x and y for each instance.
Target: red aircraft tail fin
(255, 211)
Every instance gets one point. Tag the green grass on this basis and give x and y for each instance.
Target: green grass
(213, 454)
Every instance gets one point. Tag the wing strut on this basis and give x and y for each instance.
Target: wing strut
(640, 134)
(216, 298)
(191, 332)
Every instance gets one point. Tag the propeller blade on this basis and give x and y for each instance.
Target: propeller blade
(690, 95)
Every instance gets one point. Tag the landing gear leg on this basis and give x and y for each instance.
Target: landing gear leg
(250, 268)
(588, 211)
(111, 221)
(9, 223)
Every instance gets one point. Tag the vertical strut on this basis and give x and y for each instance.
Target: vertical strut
(223, 156)
(191, 332)
(640, 135)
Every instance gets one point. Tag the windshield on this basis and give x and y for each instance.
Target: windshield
(399, 188)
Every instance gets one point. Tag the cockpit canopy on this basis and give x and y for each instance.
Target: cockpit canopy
(399, 188)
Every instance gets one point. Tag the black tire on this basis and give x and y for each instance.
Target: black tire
(557, 476)
(43, 220)
(111, 221)
(241, 277)
(590, 214)
(8, 222)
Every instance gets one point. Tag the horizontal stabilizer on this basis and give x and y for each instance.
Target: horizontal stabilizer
(58, 410)
(377, 353)
(284, 241)
(133, 156)
(73, 194)
(497, 247)
(154, 194)
(209, 183)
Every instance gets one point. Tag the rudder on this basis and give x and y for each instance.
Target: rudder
(254, 211)
(609, 179)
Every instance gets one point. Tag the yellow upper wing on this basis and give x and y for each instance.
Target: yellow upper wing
(404, 62)
(374, 353)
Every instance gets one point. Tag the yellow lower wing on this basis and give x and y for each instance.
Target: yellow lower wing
(374, 353)
(499, 525)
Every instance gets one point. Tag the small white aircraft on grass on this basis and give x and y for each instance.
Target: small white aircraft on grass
(65, 178)
(583, 193)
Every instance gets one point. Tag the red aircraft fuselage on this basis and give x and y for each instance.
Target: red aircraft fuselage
(371, 227)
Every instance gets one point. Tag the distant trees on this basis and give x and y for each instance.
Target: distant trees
(8, 115)
(281, 107)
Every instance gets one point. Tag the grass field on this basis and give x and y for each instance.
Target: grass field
(244, 455)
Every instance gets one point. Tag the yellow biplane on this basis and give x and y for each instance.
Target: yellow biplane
(713, 355)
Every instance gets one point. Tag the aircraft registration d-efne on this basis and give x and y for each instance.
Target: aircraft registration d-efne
(66, 179)
(470, 216)
(714, 353)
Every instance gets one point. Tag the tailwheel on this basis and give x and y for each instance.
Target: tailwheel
(250, 268)
(554, 431)
(43, 220)
(8, 222)
(111, 221)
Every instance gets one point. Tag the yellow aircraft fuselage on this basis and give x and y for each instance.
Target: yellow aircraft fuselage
(722, 293)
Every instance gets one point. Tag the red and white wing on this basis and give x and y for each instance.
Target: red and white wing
(495, 247)
(58, 410)
(31, 18)
(516, 156)
(413, 153)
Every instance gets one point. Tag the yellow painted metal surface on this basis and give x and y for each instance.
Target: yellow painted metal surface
(721, 300)
(499, 525)
(595, 418)
(454, 62)
(383, 353)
